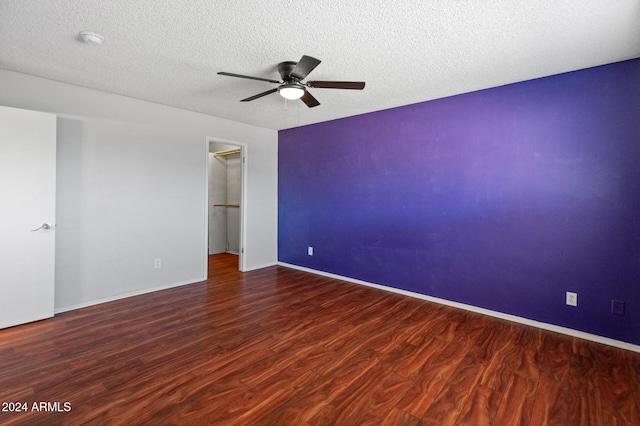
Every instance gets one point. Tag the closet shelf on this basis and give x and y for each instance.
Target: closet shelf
(222, 154)
(226, 205)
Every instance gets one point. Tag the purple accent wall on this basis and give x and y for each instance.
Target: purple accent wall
(504, 198)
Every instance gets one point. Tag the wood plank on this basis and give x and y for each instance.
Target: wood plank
(551, 402)
(380, 403)
(432, 379)
(397, 417)
(448, 405)
(352, 401)
(556, 355)
(615, 380)
(480, 408)
(584, 397)
(517, 402)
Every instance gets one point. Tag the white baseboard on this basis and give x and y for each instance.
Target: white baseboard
(266, 265)
(125, 295)
(501, 315)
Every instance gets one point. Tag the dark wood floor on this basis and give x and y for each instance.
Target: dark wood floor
(279, 346)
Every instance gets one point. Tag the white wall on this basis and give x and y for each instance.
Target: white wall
(132, 188)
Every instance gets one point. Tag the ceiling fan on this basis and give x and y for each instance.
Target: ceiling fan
(292, 87)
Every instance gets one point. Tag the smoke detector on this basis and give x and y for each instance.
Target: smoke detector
(91, 37)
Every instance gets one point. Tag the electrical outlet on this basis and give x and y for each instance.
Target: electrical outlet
(572, 299)
(157, 263)
(310, 251)
(617, 307)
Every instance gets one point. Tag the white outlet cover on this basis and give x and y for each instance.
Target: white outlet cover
(310, 251)
(572, 299)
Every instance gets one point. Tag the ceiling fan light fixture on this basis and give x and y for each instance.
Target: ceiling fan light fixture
(291, 91)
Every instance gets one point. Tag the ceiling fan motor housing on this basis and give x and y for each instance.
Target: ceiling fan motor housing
(285, 69)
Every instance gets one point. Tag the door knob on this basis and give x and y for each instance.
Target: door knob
(43, 226)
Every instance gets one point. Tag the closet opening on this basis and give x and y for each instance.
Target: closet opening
(225, 199)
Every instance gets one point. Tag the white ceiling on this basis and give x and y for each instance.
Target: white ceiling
(407, 51)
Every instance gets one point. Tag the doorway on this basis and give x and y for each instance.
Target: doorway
(225, 198)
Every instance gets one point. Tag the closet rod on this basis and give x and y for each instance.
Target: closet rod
(220, 154)
(226, 205)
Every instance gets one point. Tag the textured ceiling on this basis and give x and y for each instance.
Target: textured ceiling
(408, 51)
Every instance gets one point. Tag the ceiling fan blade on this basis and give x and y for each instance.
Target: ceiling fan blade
(229, 74)
(352, 85)
(304, 67)
(259, 95)
(309, 100)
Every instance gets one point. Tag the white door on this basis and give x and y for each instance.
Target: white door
(27, 202)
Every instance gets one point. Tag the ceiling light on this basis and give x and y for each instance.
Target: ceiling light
(91, 38)
(291, 91)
